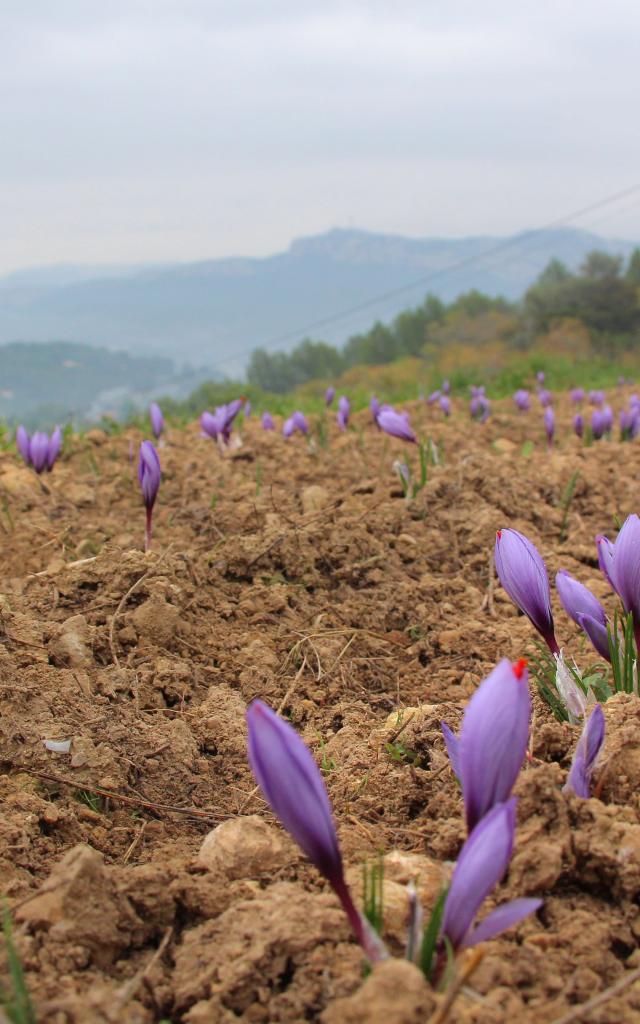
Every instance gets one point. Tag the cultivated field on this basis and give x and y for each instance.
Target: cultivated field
(300, 575)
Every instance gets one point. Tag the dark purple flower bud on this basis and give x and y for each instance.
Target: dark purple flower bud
(596, 630)
(577, 395)
(493, 740)
(374, 406)
(540, 376)
(344, 411)
(396, 424)
(22, 444)
(55, 445)
(288, 427)
(300, 422)
(446, 387)
(445, 404)
(549, 425)
(522, 400)
(608, 419)
(149, 474)
(267, 421)
(578, 424)
(294, 789)
(545, 397)
(605, 549)
(329, 395)
(157, 419)
(576, 599)
(586, 755)
(523, 575)
(597, 424)
(39, 451)
(434, 396)
(482, 863)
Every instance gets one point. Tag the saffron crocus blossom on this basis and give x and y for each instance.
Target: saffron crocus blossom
(577, 395)
(396, 424)
(55, 446)
(605, 548)
(157, 419)
(493, 740)
(578, 424)
(218, 424)
(374, 406)
(434, 397)
(149, 474)
(523, 575)
(329, 395)
(22, 444)
(482, 863)
(596, 397)
(288, 427)
(549, 425)
(300, 421)
(522, 400)
(446, 387)
(267, 421)
(545, 397)
(39, 451)
(344, 410)
(586, 755)
(445, 404)
(629, 423)
(294, 789)
(576, 599)
(598, 634)
(477, 390)
(540, 376)
(479, 407)
(622, 562)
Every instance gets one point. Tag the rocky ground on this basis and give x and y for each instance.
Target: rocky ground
(147, 879)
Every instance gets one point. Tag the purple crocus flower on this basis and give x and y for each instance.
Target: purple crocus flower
(288, 427)
(578, 424)
(576, 599)
(523, 575)
(267, 421)
(294, 789)
(522, 400)
(434, 397)
(157, 419)
(396, 424)
(39, 451)
(445, 404)
(605, 548)
(629, 423)
(55, 446)
(608, 419)
(300, 422)
(622, 562)
(446, 387)
(586, 754)
(482, 863)
(577, 395)
(22, 444)
(549, 425)
(149, 474)
(477, 390)
(545, 397)
(329, 395)
(374, 406)
(344, 410)
(493, 740)
(247, 409)
(218, 424)
(540, 376)
(596, 397)
(479, 407)
(598, 634)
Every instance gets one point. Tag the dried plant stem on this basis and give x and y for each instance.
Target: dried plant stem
(130, 987)
(472, 962)
(602, 997)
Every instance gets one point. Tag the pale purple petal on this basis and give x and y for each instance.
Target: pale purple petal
(39, 451)
(586, 753)
(396, 424)
(22, 444)
(500, 919)
(626, 565)
(452, 744)
(523, 575)
(576, 599)
(597, 633)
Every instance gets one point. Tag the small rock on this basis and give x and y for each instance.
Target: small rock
(243, 847)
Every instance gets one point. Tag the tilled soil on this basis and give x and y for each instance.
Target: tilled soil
(302, 576)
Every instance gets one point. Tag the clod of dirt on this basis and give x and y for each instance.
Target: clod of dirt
(244, 847)
(314, 498)
(620, 761)
(156, 620)
(77, 905)
(71, 643)
(395, 991)
(543, 838)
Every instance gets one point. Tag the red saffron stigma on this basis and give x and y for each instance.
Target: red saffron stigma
(519, 667)
(499, 534)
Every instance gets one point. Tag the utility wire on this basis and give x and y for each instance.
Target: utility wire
(500, 247)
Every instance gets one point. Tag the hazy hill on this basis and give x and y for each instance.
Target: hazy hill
(215, 312)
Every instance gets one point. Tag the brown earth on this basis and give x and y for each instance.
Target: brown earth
(299, 575)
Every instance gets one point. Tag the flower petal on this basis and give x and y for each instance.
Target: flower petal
(500, 919)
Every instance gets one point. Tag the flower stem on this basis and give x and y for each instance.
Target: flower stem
(368, 938)
(147, 532)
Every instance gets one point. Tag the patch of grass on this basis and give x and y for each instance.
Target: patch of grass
(15, 1000)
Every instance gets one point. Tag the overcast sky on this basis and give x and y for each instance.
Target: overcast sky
(182, 129)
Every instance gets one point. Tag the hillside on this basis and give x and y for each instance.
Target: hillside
(217, 311)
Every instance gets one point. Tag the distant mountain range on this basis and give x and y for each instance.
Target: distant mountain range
(214, 312)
